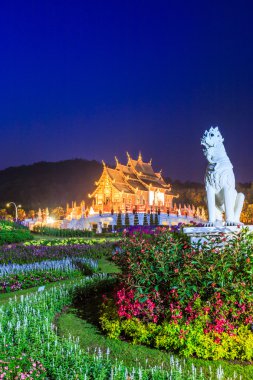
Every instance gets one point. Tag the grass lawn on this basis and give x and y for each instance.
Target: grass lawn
(106, 266)
(45, 237)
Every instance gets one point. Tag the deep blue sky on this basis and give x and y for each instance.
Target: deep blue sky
(93, 79)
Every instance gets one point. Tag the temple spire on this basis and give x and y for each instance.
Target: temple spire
(140, 157)
(129, 158)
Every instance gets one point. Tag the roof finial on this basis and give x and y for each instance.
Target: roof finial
(129, 158)
(140, 156)
(116, 159)
(150, 161)
(104, 165)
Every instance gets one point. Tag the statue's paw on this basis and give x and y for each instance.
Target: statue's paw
(209, 224)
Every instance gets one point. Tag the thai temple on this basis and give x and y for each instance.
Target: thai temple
(134, 186)
(130, 189)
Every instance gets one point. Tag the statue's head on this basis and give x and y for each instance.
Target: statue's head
(212, 138)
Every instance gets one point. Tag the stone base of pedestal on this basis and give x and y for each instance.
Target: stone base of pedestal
(202, 234)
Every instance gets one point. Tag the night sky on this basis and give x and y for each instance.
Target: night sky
(94, 79)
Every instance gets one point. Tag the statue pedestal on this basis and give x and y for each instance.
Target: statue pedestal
(202, 234)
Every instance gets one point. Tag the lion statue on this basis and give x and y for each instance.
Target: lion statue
(220, 181)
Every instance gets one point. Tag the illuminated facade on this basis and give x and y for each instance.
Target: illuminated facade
(134, 186)
(74, 211)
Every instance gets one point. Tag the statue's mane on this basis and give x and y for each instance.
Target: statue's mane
(212, 138)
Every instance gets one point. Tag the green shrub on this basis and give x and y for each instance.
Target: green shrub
(127, 221)
(201, 295)
(14, 236)
(119, 221)
(136, 219)
(11, 232)
(8, 225)
(185, 339)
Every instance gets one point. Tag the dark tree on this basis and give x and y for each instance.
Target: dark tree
(136, 219)
(49, 184)
(119, 221)
(127, 221)
(145, 220)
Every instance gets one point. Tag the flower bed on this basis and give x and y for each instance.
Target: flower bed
(29, 341)
(22, 276)
(20, 281)
(28, 254)
(67, 241)
(22, 267)
(193, 300)
(23, 367)
(64, 265)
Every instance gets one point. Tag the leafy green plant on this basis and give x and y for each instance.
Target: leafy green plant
(13, 233)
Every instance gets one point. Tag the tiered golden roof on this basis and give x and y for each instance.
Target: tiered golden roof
(135, 175)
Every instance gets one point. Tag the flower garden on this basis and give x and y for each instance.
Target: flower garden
(195, 301)
(190, 306)
(33, 264)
